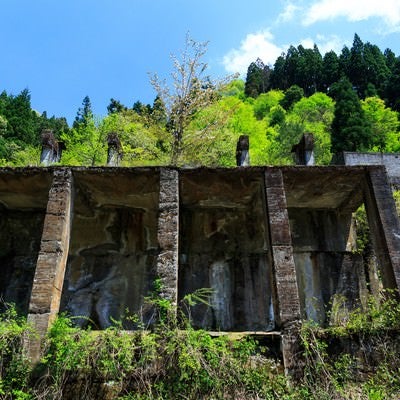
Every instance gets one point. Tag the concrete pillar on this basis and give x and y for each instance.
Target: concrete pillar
(50, 268)
(168, 234)
(384, 225)
(304, 150)
(114, 152)
(287, 296)
(242, 151)
(50, 148)
(282, 250)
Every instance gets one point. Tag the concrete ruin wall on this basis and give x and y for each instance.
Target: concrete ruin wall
(273, 245)
(113, 245)
(224, 246)
(390, 161)
(23, 202)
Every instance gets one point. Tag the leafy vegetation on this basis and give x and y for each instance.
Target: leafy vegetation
(349, 101)
(357, 358)
(14, 365)
(350, 130)
(173, 360)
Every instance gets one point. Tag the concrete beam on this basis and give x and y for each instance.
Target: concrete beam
(50, 268)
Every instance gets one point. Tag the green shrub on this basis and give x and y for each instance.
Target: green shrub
(374, 334)
(172, 360)
(14, 365)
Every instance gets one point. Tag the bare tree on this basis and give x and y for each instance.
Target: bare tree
(191, 90)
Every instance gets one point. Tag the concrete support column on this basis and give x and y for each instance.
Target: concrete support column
(384, 226)
(242, 151)
(114, 152)
(168, 234)
(50, 268)
(287, 295)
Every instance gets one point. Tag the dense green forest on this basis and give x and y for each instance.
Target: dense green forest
(349, 101)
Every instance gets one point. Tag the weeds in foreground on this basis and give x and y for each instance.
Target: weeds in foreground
(166, 363)
(356, 360)
(14, 365)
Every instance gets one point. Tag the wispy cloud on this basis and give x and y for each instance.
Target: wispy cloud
(261, 45)
(295, 21)
(324, 43)
(329, 43)
(288, 13)
(355, 10)
(255, 45)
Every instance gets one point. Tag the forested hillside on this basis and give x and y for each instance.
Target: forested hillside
(350, 101)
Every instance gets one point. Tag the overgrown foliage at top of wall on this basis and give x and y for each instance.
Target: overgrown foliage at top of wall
(348, 101)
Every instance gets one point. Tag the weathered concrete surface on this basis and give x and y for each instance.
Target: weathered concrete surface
(282, 250)
(23, 199)
(224, 246)
(113, 248)
(287, 295)
(390, 161)
(242, 152)
(324, 187)
(292, 351)
(24, 188)
(20, 234)
(114, 151)
(384, 225)
(51, 148)
(324, 253)
(168, 234)
(304, 150)
(50, 267)
(272, 244)
(321, 201)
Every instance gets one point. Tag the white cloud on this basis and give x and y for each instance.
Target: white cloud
(261, 45)
(307, 43)
(255, 45)
(330, 43)
(355, 10)
(288, 13)
(324, 43)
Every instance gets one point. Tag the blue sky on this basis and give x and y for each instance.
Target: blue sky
(64, 50)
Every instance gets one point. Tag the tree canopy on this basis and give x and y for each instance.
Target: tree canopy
(349, 101)
(350, 129)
